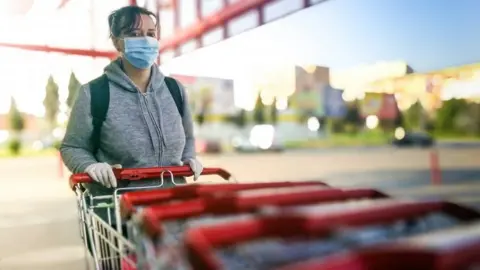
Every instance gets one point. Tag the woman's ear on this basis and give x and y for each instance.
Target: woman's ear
(118, 44)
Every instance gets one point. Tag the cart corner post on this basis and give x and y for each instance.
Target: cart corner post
(435, 170)
(61, 173)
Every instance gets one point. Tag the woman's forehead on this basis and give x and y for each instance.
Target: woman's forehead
(142, 22)
(146, 22)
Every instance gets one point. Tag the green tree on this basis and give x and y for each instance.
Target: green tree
(73, 88)
(475, 113)
(351, 122)
(242, 118)
(17, 125)
(274, 111)
(258, 111)
(17, 122)
(238, 119)
(412, 117)
(447, 115)
(200, 118)
(399, 119)
(51, 102)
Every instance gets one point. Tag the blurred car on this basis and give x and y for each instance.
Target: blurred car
(260, 139)
(410, 139)
(45, 143)
(207, 146)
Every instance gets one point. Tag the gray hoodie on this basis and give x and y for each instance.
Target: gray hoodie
(141, 130)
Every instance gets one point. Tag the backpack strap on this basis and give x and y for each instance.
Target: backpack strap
(99, 103)
(174, 89)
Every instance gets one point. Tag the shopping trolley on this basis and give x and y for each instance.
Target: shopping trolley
(163, 225)
(104, 238)
(286, 238)
(131, 201)
(455, 248)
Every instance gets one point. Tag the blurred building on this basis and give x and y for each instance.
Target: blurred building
(213, 98)
(430, 88)
(34, 127)
(212, 103)
(32, 122)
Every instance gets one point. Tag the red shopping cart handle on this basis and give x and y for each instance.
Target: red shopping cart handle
(133, 174)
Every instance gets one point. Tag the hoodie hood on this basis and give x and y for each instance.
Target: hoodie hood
(116, 75)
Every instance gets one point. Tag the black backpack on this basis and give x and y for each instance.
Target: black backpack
(100, 100)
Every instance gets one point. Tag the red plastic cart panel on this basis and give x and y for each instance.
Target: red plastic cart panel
(272, 242)
(203, 210)
(452, 249)
(166, 224)
(133, 174)
(130, 200)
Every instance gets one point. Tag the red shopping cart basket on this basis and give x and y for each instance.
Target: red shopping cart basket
(163, 225)
(243, 202)
(455, 248)
(108, 245)
(276, 241)
(132, 200)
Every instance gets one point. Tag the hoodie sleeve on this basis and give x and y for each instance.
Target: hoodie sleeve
(189, 150)
(76, 149)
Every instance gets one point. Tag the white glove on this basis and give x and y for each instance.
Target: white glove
(103, 174)
(196, 167)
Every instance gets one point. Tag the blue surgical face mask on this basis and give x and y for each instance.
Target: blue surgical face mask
(141, 52)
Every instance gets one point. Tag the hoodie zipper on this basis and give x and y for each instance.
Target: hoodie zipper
(157, 129)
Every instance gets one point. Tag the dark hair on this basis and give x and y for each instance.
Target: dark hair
(127, 18)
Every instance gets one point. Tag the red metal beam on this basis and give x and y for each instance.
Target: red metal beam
(211, 22)
(181, 36)
(70, 51)
(63, 4)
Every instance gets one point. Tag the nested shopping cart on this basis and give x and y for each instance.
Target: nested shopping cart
(132, 203)
(455, 248)
(162, 226)
(373, 236)
(276, 225)
(104, 219)
(99, 217)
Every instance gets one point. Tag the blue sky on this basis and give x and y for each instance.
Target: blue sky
(427, 34)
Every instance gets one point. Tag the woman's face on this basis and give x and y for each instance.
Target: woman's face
(145, 27)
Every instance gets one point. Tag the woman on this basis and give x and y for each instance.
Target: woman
(143, 126)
